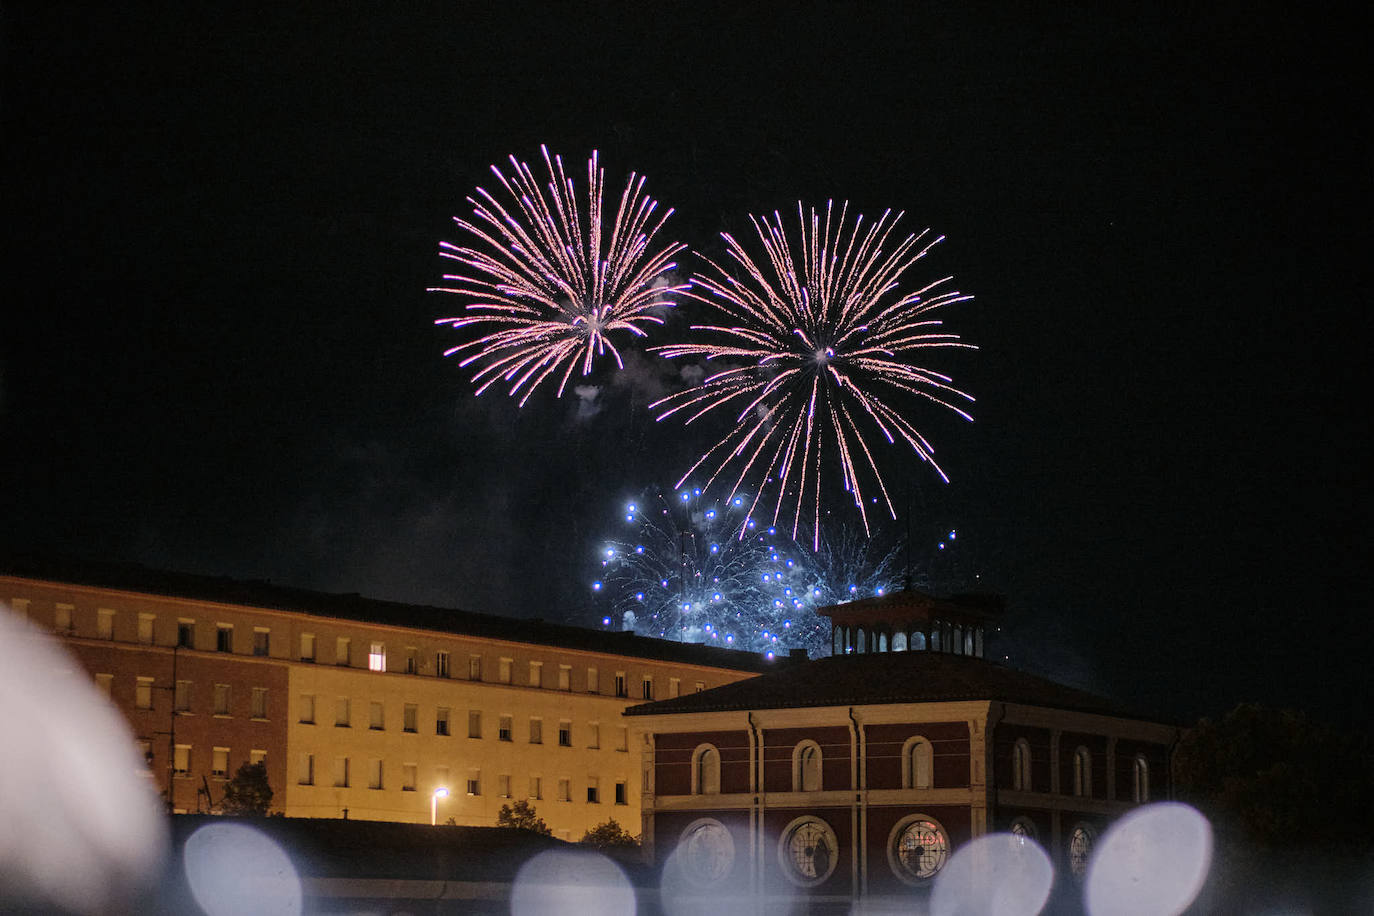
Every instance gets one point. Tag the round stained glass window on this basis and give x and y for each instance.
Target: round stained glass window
(918, 850)
(808, 851)
(707, 851)
(1080, 850)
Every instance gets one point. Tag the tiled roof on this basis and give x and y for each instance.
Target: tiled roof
(260, 594)
(887, 677)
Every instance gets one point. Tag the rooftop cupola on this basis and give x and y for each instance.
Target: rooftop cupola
(912, 621)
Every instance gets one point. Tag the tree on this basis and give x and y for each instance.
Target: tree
(610, 835)
(248, 792)
(521, 815)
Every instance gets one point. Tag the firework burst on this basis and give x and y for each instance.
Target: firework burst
(823, 347)
(546, 286)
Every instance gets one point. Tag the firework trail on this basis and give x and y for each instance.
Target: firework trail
(822, 348)
(693, 570)
(545, 285)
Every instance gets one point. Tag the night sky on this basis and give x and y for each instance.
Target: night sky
(218, 354)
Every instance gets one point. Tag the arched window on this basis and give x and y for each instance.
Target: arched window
(916, 763)
(706, 770)
(935, 637)
(1021, 765)
(837, 647)
(1080, 850)
(861, 647)
(958, 641)
(806, 767)
(898, 642)
(1082, 772)
(918, 642)
(1023, 828)
(1141, 772)
(882, 642)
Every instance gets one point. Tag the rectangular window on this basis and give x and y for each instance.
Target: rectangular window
(503, 786)
(259, 707)
(308, 647)
(105, 684)
(536, 731)
(181, 760)
(306, 776)
(62, 617)
(186, 634)
(256, 756)
(622, 742)
(376, 718)
(105, 623)
(474, 723)
(145, 753)
(474, 667)
(503, 731)
(407, 777)
(412, 661)
(594, 740)
(441, 720)
(145, 628)
(536, 787)
(374, 774)
(620, 793)
(410, 718)
(536, 674)
(620, 689)
(343, 646)
(307, 709)
(143, 693)
(565, 733)
(441, 664)
(701, 686)
(224, 638)
(503, 671)
(592, 686)
(341, 772)
(262, 641)
(565, 677)
(343, 711)
(565, 790)
(221, 699)
(376, 657)
(674, 686)
(593, 791)
(474, 782)
(182, 696)
(219, 762)
(648, 688)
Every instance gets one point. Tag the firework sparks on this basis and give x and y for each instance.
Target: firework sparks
(546, 286)
(822, 347)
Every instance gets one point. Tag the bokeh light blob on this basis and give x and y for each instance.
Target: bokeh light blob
(999, 874)
(1152, 862)
(235, 869)
(571, 883)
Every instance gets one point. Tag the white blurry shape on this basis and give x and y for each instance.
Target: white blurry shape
(999, 874)
(236, 869)
(570, 882)
(1152, 862)
(683, 893)
(81, 826)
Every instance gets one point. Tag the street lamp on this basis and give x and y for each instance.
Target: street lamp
(439, 793)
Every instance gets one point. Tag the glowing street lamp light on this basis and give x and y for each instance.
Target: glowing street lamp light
(439, 793)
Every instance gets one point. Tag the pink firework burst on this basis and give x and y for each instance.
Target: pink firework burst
(545, 286)
(822, 347)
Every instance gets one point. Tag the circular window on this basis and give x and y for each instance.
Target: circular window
(1080, 850)
(808, 851)
(1023, 828)
(707, 850)
(917, 849)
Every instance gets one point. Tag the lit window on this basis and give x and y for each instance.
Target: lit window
(143, 693)
(219, 762)
(503, 732)
(262, 641)
(306, 774)
(307, 709)
(806, 767)
(221, 699)
(917, 759)
(1021, 765)
(105, 624)
(343, 713)
(808, 851)
(224, 638)
(259, 707)
(376, 719)
(474, 723)
(441, 720)
(593, 791)
(145, 628)
(706, 770)
(410, 718)
(918, 849)
(408, 777)
(307, 647)
(565, 733)
(376, 657)
(181, 760)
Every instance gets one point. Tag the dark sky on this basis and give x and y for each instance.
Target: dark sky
(218, 354)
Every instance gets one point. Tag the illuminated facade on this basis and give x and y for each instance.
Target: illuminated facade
(362, 708)
(858, 775)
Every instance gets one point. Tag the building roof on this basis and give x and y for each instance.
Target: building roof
(887, 677)
(263, 594)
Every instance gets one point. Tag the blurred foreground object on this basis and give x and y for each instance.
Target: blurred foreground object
(83, 829)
